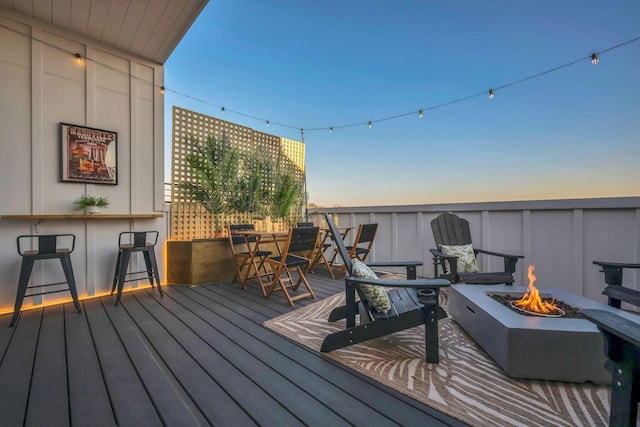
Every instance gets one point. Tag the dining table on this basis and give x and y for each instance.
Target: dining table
(264, 241)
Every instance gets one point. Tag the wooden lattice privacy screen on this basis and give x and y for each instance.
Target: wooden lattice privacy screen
(189, 220)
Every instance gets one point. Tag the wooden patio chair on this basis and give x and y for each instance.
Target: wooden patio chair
(362, 244)
(247, 258)
(318, 257)
(411, 302)
(298, 247)
(456, 256)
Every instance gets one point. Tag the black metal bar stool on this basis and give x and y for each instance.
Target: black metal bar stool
(138, 241)
(47, 248)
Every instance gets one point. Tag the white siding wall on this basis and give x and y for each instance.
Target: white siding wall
(561, 238)
(41, 85)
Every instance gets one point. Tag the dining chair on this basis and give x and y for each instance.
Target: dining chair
(299, 245)
(318, 257)
(247, 257)
(361, 246)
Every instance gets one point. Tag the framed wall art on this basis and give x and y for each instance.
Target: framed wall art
(88, 155)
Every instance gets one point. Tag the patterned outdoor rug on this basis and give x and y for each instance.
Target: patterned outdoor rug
(467, 384)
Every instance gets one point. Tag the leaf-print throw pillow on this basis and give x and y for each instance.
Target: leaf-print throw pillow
(466, 262)
(376, 295)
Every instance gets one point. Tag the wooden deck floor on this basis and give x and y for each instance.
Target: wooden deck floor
(198, 356)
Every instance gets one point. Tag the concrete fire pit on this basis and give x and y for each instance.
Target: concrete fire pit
(532, 347)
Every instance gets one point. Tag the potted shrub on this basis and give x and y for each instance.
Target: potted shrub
(225, 180)
(90, 204)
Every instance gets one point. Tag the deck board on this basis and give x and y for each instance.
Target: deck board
(293, 363)
(256, 360)
(170, 399)
(184, 327)
(336, 383)
(212, 400)
(129, 398)
(48, 397)
(17, 367)
(87, 390)
(197, 356)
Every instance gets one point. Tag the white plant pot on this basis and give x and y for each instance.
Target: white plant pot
(91, 210)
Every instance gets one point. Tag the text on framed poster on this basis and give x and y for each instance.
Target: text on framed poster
(88, 155)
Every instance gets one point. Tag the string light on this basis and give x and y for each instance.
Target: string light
(268, 124)
(331, 129)
(594, 57)
(162, 90)
(420, 113)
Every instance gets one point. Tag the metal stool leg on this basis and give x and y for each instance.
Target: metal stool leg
(117, 272)
(71, 281)
(122, 272)
(152, 267)
(25, 274)
(147, 264)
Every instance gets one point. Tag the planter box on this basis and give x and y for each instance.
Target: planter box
(199, 261)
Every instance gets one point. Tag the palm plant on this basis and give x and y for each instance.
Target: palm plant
(226, 180)
(288, 191)
(214, 165)
(253, 191)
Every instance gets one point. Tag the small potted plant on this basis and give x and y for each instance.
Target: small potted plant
(91, 204)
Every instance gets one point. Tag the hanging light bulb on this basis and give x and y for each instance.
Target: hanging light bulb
(78, 58)
(222, 110)
(268, 124)
(594, 59)
(162, 90)
(370, 124)
(491, 93)
(331, 129)
(420, 113)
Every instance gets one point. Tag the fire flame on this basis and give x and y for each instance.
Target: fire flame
(531, 300)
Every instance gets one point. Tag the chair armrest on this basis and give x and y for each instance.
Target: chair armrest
(616, 325)
(613, 271)
(415, 283)
(439, 254)
(509, 260)
(410, 266)
(394, 264)
(516, 257)
(616, 264)
(440, 257)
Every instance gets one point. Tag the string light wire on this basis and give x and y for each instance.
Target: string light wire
(368, 123)
(483, 93)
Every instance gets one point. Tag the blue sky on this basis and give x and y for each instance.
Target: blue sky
(571, 133)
